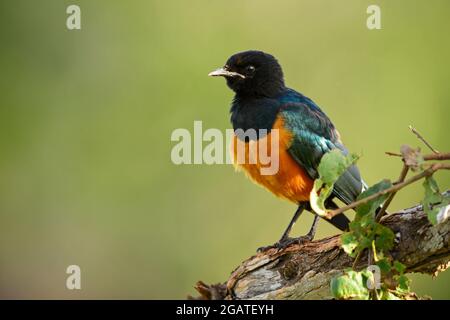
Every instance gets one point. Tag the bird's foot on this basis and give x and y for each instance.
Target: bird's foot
(284, 243)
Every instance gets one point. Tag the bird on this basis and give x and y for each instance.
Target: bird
(305, 133)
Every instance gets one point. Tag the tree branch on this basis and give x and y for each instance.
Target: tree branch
(426, 173)
(437, 156)
(392, 195)
(305, 271)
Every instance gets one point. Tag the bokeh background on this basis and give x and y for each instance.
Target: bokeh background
(86, 118)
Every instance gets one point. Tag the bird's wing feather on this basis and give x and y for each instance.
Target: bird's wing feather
(313, 135)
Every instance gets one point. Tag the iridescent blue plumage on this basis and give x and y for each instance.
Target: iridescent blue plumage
(313, 136)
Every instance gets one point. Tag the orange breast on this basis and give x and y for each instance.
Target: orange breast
(290, 181)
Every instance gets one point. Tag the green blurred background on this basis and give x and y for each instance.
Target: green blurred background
(86, 118)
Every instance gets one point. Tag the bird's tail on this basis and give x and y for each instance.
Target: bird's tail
(340, 221)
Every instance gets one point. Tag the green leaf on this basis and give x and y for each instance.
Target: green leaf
(384, 239)
(318, 196)
(371, 206)
(384, 265)
(332, 165)
(364, 230)
(403, 284)
(364, 233)
(399, 267)
(366, 221)
(349, 243)
(434, 201)
(364, 242)
(351, 285)
(389, 296)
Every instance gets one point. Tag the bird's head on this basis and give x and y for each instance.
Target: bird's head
(252, 73)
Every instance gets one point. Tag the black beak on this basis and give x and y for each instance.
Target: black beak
(221, 72)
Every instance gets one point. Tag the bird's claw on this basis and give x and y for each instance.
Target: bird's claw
(284, 243)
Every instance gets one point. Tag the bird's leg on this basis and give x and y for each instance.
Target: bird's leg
(302, 239)
(285, 240)
(312, 232)
(294, 219)
(306, 238)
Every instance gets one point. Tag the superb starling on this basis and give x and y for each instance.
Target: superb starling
(305, 133)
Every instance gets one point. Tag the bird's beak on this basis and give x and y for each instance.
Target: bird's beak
(221, 72)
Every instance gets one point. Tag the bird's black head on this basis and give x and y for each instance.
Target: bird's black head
(252, 73)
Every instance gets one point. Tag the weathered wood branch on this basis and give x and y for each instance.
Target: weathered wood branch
(305, 271)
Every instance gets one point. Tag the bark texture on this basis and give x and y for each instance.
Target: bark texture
(305, 271)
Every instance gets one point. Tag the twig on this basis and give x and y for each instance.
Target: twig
(426, 173)
(403, 174)
(427, 157)
(394, 154)
(437, 156)
(422, 139)
(356, 261)
(388, 201)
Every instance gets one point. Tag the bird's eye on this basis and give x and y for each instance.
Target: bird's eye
(250, 69)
